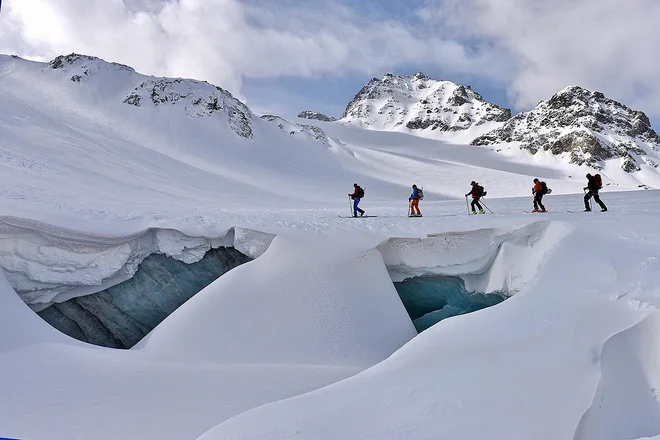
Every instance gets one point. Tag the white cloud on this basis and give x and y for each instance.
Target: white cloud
(224, 41)
(607, 45)
(535, 47)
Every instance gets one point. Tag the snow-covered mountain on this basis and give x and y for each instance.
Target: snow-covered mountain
(308, 114)
(421, 105)
(311, 132)
(105, 171)
(585, 128)
(199, 99)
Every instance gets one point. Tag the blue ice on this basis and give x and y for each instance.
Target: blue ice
(429, 300)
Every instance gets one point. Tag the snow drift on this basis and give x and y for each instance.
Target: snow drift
(291, 305)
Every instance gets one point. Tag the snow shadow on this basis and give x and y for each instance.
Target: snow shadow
(627, 400)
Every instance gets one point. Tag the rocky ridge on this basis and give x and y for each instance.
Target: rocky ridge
(584, 126)
(416, 102)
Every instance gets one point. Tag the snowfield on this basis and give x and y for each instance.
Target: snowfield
(310, 340)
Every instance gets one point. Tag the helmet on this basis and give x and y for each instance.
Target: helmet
(473, 183)
(588, 176)
(355, 184)
(414, 186)
(536, 179)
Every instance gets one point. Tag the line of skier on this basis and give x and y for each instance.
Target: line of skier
(540, 189)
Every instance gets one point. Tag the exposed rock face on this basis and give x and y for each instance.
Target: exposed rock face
(122, 315)
(586, 127)
(199, 98)
(305, 131)
(417, 102)
(83, 66)
(308, 114)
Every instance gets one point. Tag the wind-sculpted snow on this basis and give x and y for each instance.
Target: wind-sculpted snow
(526, 368)
(488, 260)
(629, 385)
(47, 264)
(307, 307)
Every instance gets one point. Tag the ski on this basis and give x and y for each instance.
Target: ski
(350, 216)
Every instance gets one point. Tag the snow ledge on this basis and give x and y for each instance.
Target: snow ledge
(47, 264)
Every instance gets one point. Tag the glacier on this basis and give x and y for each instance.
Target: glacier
(120, 316)
(310, 339)
(429, 300)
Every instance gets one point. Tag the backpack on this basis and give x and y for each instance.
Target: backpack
(420, 193)
(481, 192)
(545, 189)
(598, 181)
(360, 192)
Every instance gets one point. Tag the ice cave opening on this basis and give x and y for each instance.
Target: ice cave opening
(430, 299)
(120, 316)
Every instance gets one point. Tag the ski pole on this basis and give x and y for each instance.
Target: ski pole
(409, 207)
(350, 207)
(482, 202)
(467, 205)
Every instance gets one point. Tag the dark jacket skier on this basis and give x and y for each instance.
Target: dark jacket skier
(357, 195)
(476, 192)
(595, 184)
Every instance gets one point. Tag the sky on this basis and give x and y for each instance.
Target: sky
(285, 56)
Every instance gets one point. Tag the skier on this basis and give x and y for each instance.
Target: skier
(476, 192)
(594, 185)
(414, 199)
(539, 191)
(357, 195)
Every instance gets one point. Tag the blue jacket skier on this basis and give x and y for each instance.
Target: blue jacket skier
(414, 199)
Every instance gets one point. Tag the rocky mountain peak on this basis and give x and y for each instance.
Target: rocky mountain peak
(198, 98)
(308, 114)
(83, 66)
(584, 126)
(419, 103)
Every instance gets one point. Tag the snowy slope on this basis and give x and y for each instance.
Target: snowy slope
(571, 356)
(531, 366)
(312, 329)
(584, 127)
(96, 147)
(421, 105)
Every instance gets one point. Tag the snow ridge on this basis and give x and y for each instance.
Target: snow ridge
(200, 98)
(308, 114)
(82, 66)
(418, 103)
(47, 264)
(584, 127)
(311, 132)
